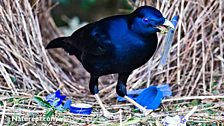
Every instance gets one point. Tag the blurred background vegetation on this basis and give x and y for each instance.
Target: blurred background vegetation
(87, 10)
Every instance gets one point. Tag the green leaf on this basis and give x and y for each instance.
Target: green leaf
(135, 110)
(211, 112)
(10, 100)
(215, 92)
(1, 103)
(10, 122)
(208, 105)
(214, 84)
(195, 102)
(177, 107)
(131, 121)
(41, 102)
(48, 114)
(87, 3)
(19, 100)
(22, 99)
(180, 101)
(13, 79)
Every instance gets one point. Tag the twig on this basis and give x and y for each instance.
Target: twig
(3, 113)
(192, 97)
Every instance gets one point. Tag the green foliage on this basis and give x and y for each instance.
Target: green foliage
(131, 121)
(49, 113)
(16, 101)
(1, 103)
(63, 2)
(214, 84)
(135, 110)
(10, 123)
(87, 3)
(215, 92)
(41, 102)
(19, 100)
(211, 112)
(195, 102)
(13, 79)
(10, 100)
(208, 105)
(50, 109)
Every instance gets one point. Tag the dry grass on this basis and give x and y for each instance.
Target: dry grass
(195, 68)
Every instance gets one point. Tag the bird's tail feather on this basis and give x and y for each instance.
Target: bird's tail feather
(57, 43)
(66, 44)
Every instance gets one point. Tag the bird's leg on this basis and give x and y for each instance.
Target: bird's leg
(144, 110)
(121, 85)
(105, 112)
(93, 87)
(121, 91)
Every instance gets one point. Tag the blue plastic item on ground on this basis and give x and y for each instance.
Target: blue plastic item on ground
(81, 108)
(149, 97)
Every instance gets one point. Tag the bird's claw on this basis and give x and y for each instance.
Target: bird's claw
(107, 114)
(110, 115)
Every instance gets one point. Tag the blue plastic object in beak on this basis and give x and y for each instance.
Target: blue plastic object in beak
(168, 43)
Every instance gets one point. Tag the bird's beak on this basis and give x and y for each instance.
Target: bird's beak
(165, 26)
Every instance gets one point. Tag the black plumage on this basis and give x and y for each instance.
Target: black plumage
(116, 44)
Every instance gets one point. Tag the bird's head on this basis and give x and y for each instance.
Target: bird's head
(147, 20)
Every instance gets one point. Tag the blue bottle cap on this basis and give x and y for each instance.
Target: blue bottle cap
(81, 108)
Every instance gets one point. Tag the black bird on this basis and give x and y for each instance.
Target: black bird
(116, 44)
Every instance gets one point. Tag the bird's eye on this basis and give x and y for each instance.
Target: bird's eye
(146, 20)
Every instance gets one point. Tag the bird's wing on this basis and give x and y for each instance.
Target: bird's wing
(91, 39)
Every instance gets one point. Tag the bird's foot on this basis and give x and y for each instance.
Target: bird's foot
(110, 115)
(107, 114)
(142, 109)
